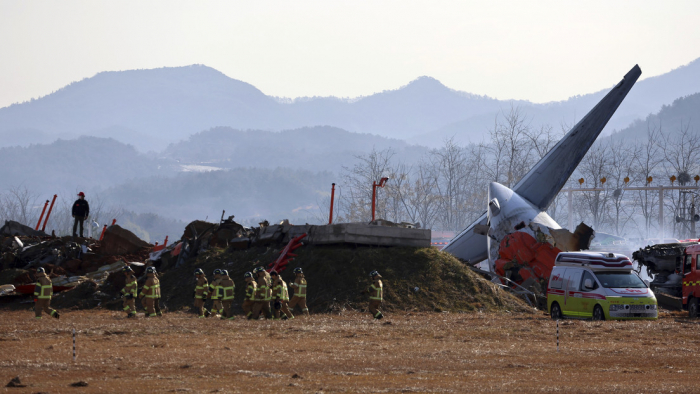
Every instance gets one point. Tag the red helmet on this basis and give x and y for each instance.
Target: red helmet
(81, 194)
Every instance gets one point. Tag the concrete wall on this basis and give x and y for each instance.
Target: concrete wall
(359, 233)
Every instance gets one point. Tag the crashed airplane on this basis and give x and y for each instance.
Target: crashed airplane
(516, 235)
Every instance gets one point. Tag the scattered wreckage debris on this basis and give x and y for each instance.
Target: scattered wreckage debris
(90, 274)
(68, 262)
(12, 228)
(15, 382)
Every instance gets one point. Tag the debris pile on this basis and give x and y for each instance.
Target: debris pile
(416, 278)
(68, 262)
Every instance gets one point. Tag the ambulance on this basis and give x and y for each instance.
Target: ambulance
(600, 286)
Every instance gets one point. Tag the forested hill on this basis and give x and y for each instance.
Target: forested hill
(85, 163)
(681, 114)
(153, 108)
(311, 148)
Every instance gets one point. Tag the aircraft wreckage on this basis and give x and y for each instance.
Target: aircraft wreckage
(517, 237)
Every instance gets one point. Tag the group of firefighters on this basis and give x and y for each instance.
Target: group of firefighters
(266, 294)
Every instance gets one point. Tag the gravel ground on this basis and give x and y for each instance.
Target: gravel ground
(405, 352)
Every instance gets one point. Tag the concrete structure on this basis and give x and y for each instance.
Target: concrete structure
(349, 233)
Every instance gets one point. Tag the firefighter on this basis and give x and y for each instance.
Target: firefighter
(280, 295)
(375, 295)
(215, 293)
(299, 297)
(250, 290)
(228, 287)
(156, 303)
(263, 294)
(151, 292)
(129, 292)
(201, 291)
(43, 290)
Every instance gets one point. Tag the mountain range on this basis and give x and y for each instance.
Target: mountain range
(154, 108)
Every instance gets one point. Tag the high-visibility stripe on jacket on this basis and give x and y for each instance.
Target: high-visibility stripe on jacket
(376, 291)
(228, 287)
(280, 291)
(130, 287)
(250, 291)
(299, 287)
(201, 289)
(43, 291)
(216, 289)
(151, 289)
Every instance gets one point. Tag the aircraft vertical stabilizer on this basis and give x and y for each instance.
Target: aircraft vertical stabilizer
(542, 183)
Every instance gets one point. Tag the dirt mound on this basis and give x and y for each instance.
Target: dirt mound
(119, 241)
(15, 228)
(415, 279)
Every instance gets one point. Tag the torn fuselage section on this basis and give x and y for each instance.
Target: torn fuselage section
(523, 241)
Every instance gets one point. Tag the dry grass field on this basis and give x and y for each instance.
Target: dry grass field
(407, 352)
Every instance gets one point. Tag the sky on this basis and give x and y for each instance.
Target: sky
(534, 50)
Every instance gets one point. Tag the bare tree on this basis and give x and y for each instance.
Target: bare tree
(681, 158)
(647, 160)
(594, 167)
(357, 199)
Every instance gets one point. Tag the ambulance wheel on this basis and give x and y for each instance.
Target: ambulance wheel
(693, 308)
(555, 311)
(598, 313)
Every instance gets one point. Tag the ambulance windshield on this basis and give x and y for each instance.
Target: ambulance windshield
(620, 279)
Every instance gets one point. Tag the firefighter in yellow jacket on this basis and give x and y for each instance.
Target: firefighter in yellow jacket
(43, 291)
(263, 295)
(228, 288)
(280, 297)
(150, 293)
(201, 291)
(250, 290)
(299, 286)
(129, 292)
(216, 293)
(375, 291)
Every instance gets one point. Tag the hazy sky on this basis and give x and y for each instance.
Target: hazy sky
(536, 50)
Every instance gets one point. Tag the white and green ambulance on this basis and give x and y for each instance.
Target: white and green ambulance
(600, 286)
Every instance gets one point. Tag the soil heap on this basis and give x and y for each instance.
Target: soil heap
(415, 279)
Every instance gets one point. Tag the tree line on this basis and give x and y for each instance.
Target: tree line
(448, 188)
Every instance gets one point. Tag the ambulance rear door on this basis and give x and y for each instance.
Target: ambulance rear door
(572, 296)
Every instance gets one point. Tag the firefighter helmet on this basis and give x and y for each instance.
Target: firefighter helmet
(223, 272)
(217, 272)
(298, 270)
(40, 270)
(374, 273)
(127, 269)
(248, 275)
(198, 271)
(151, 270)
(273, 273)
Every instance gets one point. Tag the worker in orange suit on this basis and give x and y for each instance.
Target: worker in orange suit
(150, 293)
(263, 295)
(200, 293)
(280, 297)
(375, 291)
(250, 290)
(43, 291)
(299, 297)
(129, 292)
(228, 288)
(216, 293)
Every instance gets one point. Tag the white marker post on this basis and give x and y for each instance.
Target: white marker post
(74, 345)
